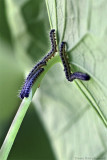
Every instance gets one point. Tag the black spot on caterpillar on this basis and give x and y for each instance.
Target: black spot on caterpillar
(70, 76)
(27, 86)
(32, 72)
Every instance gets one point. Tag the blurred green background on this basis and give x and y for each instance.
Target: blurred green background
(19, 49)
(61, 122)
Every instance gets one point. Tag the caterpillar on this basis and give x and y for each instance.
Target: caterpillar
(70, 76)
(32, 72)
(47, 57)
(40, 64)
(53, 46)
(27, 86)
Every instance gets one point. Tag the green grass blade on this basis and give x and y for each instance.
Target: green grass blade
(14, 128)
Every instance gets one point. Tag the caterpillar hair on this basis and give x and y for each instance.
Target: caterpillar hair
(27, 86)
(32, 72)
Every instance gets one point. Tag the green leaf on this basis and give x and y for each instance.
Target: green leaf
(67, 110)
(68, 113)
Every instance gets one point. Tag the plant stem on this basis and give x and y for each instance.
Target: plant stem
(9, 140)
(14, 128)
